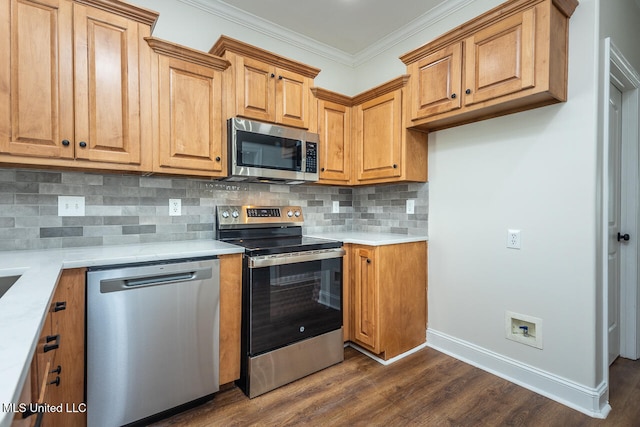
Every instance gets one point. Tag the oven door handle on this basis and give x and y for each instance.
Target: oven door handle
(294, 257)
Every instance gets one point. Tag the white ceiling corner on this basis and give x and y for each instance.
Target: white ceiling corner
(438, 9)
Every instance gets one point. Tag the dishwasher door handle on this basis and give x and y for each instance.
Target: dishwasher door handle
(140, 281)
(159, 280)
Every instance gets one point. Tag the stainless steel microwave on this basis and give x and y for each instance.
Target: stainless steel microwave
(264, 152)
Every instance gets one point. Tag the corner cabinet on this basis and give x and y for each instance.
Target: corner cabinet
(387, 290)
(334, 128)
(385, 151)
(512, 58)
(187, 95)
(76, 83)
(265, 86)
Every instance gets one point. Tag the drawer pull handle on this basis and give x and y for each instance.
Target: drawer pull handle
(49, 347)
(59, 306)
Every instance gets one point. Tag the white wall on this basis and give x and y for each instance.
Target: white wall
(534, 171)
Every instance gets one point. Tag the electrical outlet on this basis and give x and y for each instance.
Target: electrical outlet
(513, 239)
(336, 207)
(411, 206)
(175, 207)
(70, 206)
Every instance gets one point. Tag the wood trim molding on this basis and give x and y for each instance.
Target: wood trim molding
(465, 30)
(129, 11)
(225, 43)
(327, 95)
(390, 86)
(177, 51)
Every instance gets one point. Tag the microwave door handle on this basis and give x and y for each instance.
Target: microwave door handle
(302, 155)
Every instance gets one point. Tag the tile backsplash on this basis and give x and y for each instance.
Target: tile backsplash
(122, 209)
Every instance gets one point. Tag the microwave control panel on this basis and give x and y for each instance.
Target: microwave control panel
(312, 157)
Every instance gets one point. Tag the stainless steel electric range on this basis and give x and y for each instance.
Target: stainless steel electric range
(291, 296)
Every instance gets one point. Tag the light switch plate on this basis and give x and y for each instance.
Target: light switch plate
(411, 206)
(336, 207)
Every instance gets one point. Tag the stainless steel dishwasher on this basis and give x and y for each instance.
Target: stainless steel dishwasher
(152, 339)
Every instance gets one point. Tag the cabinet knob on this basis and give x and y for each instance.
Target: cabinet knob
(368, 261)
(624, 237)
(57, 370)
(217, 158)
(82, 144)
(321, 169)
(65, 142)
(468, 91)
(279, 77)
(453, 96)
(56, 382)
(395, 166)
(272, 75)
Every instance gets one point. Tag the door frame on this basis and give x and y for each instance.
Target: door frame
(619, 72)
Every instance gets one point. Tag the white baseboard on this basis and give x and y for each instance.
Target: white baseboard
(590, 401)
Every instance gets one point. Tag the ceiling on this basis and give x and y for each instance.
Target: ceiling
(346, 31)
(347, 25)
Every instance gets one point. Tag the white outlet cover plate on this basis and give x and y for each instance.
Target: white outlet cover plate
(336, 207)
(513, 239)
(175, 207)
(70, 206)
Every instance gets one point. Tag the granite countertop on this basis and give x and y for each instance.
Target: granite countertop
(23, 308)
(371, 239)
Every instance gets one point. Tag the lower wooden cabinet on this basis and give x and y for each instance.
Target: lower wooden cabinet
(57, 371)
(387, 297)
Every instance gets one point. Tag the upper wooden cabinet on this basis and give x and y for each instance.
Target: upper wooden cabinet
(187, 96)
(334, 128)
(265, 86)
(384, 150)
(76, 76)
(512, 58)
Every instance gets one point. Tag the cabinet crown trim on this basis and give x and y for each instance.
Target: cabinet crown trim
(129, 11)
(390, 86)
(225, 44)
(567, 7)
(327, 95)
(177, 51)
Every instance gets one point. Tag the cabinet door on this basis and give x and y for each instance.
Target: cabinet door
(500, 59)
(107, 87)
(379, 137)
(292, 99)
(36, 77)
(366, 299)
(334, 127)
(436, 82)
(68, 313)
(255, 89)
(190, 109)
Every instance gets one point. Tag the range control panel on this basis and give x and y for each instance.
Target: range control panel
(265, 216)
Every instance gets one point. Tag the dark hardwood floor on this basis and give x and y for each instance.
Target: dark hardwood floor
(427, 388)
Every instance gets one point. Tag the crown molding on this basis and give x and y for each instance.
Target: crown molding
(268, 28)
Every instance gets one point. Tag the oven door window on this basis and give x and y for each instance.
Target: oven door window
(265, 151)
(293, 302)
